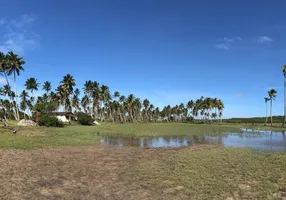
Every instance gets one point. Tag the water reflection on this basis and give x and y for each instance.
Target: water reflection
(258, 139)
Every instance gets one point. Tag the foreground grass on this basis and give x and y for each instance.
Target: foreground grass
(215, 174)
(38, 137)
(164, 129)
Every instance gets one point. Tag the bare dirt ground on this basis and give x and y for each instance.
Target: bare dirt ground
(90, 172)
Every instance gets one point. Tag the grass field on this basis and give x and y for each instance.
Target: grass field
(38, 137)
(163, 129)
(215, 174)
(73, 166)
(73, 135)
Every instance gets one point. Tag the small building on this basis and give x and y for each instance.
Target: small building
(64, 116)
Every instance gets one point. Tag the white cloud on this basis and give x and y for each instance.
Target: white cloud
(264, 40)
(240, 94)
(227, 43)
(18, 36)
(222, 46)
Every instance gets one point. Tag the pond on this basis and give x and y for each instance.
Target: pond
(257, 139)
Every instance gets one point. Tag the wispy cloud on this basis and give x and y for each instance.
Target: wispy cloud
(2, 21)
(227, 43)
(17, 35)
(263, 40)
(240, 94)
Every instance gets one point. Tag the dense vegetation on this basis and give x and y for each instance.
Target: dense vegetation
(50, 121)
(94, 99)
(255, 120)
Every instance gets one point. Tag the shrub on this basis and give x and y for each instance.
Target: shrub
(47, 120)
(84, 119)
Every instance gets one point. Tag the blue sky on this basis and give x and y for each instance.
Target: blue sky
(170, 51)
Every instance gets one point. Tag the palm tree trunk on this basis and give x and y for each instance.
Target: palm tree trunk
(15, 90)
(271, 112)
(266, 115)
(284, 101)
(10, 97)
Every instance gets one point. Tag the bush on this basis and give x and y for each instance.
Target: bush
(84, 119)
(47, 120)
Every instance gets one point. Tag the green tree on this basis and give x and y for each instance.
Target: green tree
(13, 66)
(65, 89)
(284, 74)
(272, 95)
(32, 85)
(24, 101)
(266, 99)
(47, 86)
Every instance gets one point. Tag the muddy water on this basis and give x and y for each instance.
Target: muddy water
(261, 140)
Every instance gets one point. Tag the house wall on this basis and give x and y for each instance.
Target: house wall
(63, 118)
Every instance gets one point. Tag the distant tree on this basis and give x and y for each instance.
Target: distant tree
(266, 99)
(272, 95)
(284, 74)
(32, 85)
(47, 86)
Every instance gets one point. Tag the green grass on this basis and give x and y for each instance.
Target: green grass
(70, 135)
(164, 129)
(214, 174)
(38, 137)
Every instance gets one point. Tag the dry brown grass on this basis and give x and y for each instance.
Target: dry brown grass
(91, 172)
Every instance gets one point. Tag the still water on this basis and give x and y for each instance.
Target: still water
(257, 139)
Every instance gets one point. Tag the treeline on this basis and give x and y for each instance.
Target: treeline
(276, 119)
(92, 98)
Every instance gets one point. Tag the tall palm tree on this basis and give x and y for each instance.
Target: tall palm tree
(24, 103)
(272, 95)
(14, 65)
(65, 90)
(284, 74)
(266, 99)
(146, 104)
(32, 85)
(47, 86)
(85, 101)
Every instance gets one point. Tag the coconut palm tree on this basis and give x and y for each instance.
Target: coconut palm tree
(24, 101)
(65, 89)
(14, 64)
(284, 74)
(266, 99)
(47, 86)
(272, 95)
(32, 85)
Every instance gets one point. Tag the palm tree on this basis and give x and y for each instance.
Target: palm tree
(14, 64)
(146, 104)
(284, 73)
(47, 86)
(65, 90)
(266, 99)
(272, 95)
(32, 85)
(24, 103)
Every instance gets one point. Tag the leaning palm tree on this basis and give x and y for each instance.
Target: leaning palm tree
(272, 95)
(284, 73)
(266, 99)
(14, 66)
